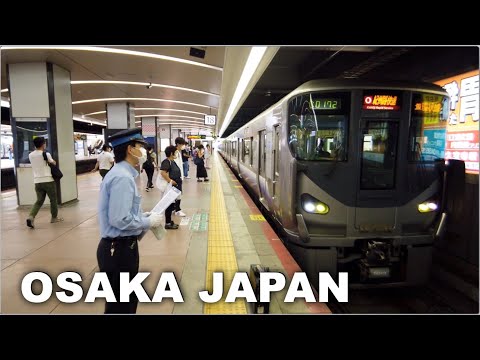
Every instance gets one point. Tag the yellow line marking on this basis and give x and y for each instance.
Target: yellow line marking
(237, 186)
(221, 253)
(257, 218)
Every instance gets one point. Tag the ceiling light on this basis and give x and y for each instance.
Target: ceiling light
(95, 113)
(77, 118)
(178, 116)
(256, 55)
(148, 85)
(164, 109)
(114, 51)
(139, 99)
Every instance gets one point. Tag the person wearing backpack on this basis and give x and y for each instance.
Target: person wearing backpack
(149, 166)
(44, 182)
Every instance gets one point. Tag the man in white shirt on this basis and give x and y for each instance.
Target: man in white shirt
(44, 183)
(104, 161)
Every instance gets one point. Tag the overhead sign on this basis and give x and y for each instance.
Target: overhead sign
(210, 120)
(196, 137)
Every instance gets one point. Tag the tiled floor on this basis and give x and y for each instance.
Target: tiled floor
(72, 244)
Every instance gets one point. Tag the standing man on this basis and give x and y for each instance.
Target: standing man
(121, 219)
(44, 183)
(104, 161)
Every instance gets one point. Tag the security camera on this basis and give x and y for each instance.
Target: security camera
(149, 86)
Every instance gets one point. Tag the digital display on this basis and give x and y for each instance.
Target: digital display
(326, 104)
(381, 102)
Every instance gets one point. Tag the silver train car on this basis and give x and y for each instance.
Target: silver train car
(352, 174)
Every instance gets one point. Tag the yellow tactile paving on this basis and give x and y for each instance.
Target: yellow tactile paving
(221, 253)
(257, 218)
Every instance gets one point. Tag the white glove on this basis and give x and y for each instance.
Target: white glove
(155, 219)
(147, 214)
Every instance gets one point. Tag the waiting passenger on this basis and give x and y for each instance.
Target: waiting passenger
(201, 171)
(170, 171)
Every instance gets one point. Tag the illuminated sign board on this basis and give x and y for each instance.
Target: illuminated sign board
(463, 115)
(196, 137)
(210, 120)
(381, 102)
(326, 104)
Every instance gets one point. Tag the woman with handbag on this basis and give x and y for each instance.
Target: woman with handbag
(171, 173)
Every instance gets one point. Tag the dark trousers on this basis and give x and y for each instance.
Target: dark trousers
(149, 172)
(168, 213)
(124, 259)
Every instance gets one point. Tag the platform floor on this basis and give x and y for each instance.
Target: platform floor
(223, 231)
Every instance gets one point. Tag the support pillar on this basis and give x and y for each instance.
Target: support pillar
(41, 105)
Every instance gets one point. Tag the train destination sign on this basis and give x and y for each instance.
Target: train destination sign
(381, 102)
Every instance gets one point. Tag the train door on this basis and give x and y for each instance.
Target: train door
(276, 168)
(262, 145)
(378, 174)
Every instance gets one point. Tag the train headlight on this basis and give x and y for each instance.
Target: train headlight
(427, 206)
(313, 205)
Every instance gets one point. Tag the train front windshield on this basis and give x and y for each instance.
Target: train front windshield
(318, 124)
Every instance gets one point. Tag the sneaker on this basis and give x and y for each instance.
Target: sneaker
(57, 219)
(151, 186)
(180, 213)
(207, 180)
(147, 189)
(187, 177)
(171, 226)
(30, 223)
(199, 180)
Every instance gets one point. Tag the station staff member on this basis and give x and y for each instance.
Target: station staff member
(121, 218)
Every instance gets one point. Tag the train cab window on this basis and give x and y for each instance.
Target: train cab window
(246, 151)
(317, 126)
(379, 152)
(426, 140)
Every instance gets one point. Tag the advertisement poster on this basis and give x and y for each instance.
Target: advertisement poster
(462, 124)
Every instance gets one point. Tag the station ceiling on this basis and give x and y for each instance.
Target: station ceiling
(184, 83)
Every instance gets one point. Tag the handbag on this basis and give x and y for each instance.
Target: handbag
(56, 172)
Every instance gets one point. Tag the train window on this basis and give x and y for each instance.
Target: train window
(246, 152)
(379, 152)
(317, 126)
(426, 140)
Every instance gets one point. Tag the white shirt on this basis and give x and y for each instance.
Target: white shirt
(41, 171)
(105, 160)
(179, 161)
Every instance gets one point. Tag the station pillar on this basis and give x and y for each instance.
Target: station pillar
(41, 105)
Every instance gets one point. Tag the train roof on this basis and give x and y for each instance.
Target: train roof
(343, 84)
(332, 84)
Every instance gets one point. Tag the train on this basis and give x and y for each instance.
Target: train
(352, 173)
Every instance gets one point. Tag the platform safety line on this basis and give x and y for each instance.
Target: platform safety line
(221, 252)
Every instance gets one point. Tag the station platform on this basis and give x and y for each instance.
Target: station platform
(223, 231)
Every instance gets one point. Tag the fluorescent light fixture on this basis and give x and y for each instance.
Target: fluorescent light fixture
(169, 116)
(5, 104)
(77, 118)
(256, 55)
(164, 109)
(148, 85)
(114, 51)
(139, 99)
(4, 90)
(95, 113)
